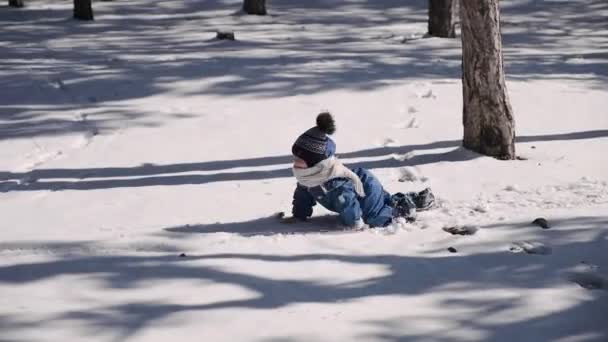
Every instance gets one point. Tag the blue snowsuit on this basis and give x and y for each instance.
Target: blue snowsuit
(338, 195)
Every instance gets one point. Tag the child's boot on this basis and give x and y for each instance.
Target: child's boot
(424, 200)
(403, 206)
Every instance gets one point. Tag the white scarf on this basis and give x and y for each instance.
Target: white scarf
(325, 170)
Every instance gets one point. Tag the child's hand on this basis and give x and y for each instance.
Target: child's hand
(287, 219)
(359, 224)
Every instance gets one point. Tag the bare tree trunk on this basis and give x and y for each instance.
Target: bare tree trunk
(83, 10)
(15, 3)
(255, 7)
(489, 127)
(442, 18)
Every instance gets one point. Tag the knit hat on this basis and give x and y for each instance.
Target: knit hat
(314, 145)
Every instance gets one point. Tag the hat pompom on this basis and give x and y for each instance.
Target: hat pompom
(326, 123)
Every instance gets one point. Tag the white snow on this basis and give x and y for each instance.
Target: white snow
(130, 140)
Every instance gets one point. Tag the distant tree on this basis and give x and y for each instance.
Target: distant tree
(15, 3)
(255, 7)
(489, 127)
(442, 18)
(83, 10)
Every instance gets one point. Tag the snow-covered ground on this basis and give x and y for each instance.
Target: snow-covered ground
(130, 140)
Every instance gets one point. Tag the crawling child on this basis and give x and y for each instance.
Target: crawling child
(356, 195)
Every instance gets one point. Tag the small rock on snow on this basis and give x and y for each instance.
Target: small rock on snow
(225, 35)
(530, 248)
(464, 230)
(452, 250)
(541, 222)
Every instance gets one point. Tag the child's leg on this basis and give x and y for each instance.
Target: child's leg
(376, 203)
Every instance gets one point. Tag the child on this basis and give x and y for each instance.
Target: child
(356, 195)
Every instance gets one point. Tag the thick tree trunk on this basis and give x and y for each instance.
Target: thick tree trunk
(83, 10)
(489, 127)
(442, 18)
(255, 7)
(15, 3)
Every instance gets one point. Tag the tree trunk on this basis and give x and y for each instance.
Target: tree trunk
(15, 3)
(442, 18)
(255, 7)
(83, 10)
(489, 127)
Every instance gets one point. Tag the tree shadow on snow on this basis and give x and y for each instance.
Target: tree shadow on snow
(464, 285)
(307, 47)
(153, 175)
(219, 171)
(265, 226)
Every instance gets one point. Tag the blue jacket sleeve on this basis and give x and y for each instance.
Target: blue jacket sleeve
(348, 207)
(302, 203)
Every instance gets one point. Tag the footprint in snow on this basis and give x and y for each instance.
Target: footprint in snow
(410, 174)
(589, 281)
(408, 110)
(403, 157)
(513, 188)
(57, 84)
(428, 94)
(27, 179)
(423, 90)
(481, 208)
(411, 123)
(89, 131)
(389, 142)
(39, 158)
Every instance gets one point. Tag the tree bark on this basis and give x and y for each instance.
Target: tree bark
(83, 10)
(257, 7)
(442, 18)
(489, 127)
(15, 3)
